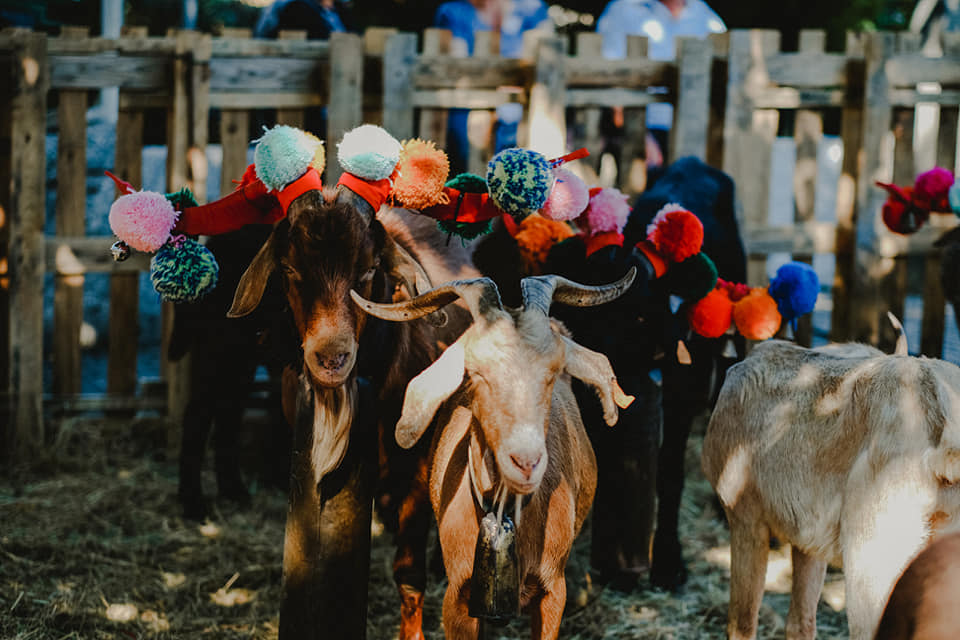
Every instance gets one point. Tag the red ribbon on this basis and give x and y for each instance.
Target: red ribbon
(603, 239)
(310, 181)
(375, 192)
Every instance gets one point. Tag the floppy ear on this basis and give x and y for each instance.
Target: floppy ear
(254, 280)
(594, 369)
(426, 393)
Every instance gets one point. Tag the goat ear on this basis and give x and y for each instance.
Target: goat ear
(254, 280)
(594, 369)
(426, 393)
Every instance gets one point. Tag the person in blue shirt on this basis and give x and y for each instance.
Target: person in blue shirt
(319, 18)
(512, 18)
(662, 21)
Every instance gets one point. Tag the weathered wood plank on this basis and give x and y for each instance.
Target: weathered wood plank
(796, 98)
(614, 96)
(27, 95)
(234, 141)
(632, 162)
(436, 72)
(267, 75)
(480, 122)
(692, 110)
(442, 99)
(435, 102)
(804, 238)
(910, 68)
(259, 48)
(199, 105)
(345, 110)
(547, 132)
(133, 44)
(808, 69)
(70, 217)
(399, 59)
(79, 255)
(293, 117)
(630, 72)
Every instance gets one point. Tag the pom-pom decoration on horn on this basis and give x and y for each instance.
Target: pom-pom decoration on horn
(908, 207)
(930, 189)
(369, 152)
(607, 211)
(676, 233)
(183, 270)
(756, 315)
(143, 219)
(795, 289)
(421, 175)
(712, 315)
(519, 181)
(284, 153)
(568, 198)
(535, 236)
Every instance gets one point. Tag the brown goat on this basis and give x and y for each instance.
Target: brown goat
(850, 455)
(924, 602)
(508, 425)
(343, 442)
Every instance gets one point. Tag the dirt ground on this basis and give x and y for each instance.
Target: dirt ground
(92, 545)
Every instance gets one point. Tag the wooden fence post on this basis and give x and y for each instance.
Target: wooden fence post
(399, 56)
(345, 107)
(632, 163)
(548, 132)
(28, 121)
(433, 122)
(692, 111)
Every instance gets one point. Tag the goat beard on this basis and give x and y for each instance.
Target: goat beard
(333, 413)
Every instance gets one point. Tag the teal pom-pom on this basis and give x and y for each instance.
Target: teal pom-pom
(691, 279)
(466, 230)
(467, 183)
(369, 152)
(519, 181)
(182, 199)
(183, 271)
(282, 155)
(795, 288)
(954, 196)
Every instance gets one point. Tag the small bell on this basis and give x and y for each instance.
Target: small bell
(495, 584)
(120, 251)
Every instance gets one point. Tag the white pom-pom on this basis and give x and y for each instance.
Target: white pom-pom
(369, 152)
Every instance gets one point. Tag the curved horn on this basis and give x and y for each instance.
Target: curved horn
(404, 267)
(350, 197)
(540, 291)
(480, 294)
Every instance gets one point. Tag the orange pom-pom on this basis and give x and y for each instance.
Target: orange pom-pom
(711, 315)
(535, 237)
(423, 170)
(676, 233)
(756, 315)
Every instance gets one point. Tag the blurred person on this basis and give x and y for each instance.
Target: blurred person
(511, 18)
(319, 18)
(931, 19)
(661, 21)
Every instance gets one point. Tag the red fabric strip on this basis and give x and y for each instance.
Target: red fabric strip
(375, 192)
(473, 207)
(310, 181)
(570, 157)
(603, 239)
(250, 203)
(658, 262)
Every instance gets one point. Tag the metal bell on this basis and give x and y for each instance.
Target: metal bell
(120, 251)
(495, 584)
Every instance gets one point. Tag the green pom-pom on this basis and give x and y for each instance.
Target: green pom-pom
(466, 230)
(691, 279)
(183, 271)
(182, 199)
(519, 181)
(467, 183)
(282, 155)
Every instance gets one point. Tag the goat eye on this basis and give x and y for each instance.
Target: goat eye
(368, 274)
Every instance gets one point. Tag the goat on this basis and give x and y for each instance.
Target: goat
(507, 422)
(950, 268)
(847, 453)
(923, 604)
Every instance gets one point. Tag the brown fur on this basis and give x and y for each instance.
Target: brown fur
(839, 451)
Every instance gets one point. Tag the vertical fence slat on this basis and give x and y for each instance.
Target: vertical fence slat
(692, 113)
(808, 133)
(70, 221)
(28, 111)
(632, 163)
(548, 95)
(345, 105)
(851, 131)
(400, 54)
(586, 121)
(374, 45)
(480, 122)
(293, 117)
(6, 120)
(234, 140)
(433, 122)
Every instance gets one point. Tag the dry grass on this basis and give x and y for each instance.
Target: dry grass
(93, 546)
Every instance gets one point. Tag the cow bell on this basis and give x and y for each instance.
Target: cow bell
(495, 584)
(120, 251)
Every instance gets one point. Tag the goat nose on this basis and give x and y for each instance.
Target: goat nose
(332, 363)
(526, 463)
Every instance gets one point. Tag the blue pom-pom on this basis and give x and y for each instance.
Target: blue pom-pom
(183, 271)
(954, 196)
(795, 288)
(282, 155)
(369, 152)
(519, 181)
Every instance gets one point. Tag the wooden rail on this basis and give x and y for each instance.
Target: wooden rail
(729, 94)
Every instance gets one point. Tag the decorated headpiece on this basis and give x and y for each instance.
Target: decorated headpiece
(907, 208)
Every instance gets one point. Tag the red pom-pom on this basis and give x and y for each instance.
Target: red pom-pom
(711, 316)
(901, 216)
(676, 233)
(736, 290)
(931, 188)
(756, 315)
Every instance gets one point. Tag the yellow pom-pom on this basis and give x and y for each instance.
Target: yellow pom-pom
(423, 171)
(319, 161)
(756, 315)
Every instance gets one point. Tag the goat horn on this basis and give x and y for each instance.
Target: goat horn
(540, 291)
(350, 197)
(480, 294)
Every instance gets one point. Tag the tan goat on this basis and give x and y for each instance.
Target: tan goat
(507, 420)
(848, 454)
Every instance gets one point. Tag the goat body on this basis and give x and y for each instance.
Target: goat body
(848, 454)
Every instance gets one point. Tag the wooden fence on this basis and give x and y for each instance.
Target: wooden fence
(728, 93)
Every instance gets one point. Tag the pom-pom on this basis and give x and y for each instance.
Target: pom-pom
(466, 230)
(369, 152)
(901, 216)
(423, 171)
(712, 315)
(954, 197)
(795, 289)
(736, 290)
(930, 189)
(468, 183)
(519, 181)
(568, 198)
(691, 279)
(283, 154)
(535, 238)
(183, 271)
(143, 219)
(676, 233)
(756, 315)
(608, 211)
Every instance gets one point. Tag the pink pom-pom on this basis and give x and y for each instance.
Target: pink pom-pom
(608, 211)
(676, 233)
(143, 219)
(931, 188)
(568, 198)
